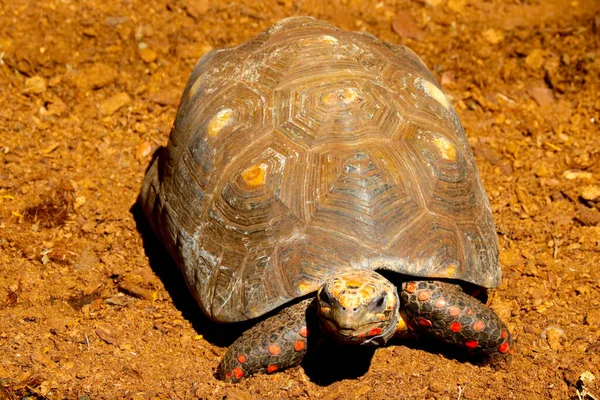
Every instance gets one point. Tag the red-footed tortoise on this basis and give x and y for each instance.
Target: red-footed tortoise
(300, 163)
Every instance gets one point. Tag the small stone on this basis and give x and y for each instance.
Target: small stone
(591, 193)
(95, 76)
(587, 216)
(554, 336)
(542, 95)
(404, 25)
(493, 36)
(457, 5)
(143, 151)
(197, 8)
(147, 55)
(35, 85)
(571, 174)
(110, 334)
(112, 104)
(535, 59)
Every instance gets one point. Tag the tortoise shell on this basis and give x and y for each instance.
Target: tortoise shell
(310, 150)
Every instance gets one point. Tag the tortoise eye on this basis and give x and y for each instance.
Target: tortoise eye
(380, 301)
(325, 296)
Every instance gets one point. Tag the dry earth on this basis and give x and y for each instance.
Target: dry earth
(92, 307)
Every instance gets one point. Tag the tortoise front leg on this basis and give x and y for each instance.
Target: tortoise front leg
(444, 311)
(274, 344)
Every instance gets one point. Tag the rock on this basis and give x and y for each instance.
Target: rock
(571, 174)
(554, 336)
(147, 55)
(143, 151)
(95, 76)
(493, 36)
(112, 104)
(110, 334)
(35, 85)
(542, 95)
(535, 59)
(591, 193)
(587, 216)
(404, 25)
(197, 8)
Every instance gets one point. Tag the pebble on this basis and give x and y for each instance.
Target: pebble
(143, 151)
(147, 55)
(95, 76)
(35, 85)
(571, 174)
(542, 95)
(554, 336)
(113, 103)
(591, 193)
(404, 25)
(493, 36)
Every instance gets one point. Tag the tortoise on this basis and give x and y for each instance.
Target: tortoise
(320, 177)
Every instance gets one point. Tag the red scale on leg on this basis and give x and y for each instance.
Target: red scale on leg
(454, 311)
(410, 287)
(238, 373)
(455, 327)
(471, 344)
(424, 295)
(423, 321)
(479, 325)
(304, 331)
(503, 347)
(274, 349)
(241, 358)
(441, 303)
(272, 368)
(299, 345)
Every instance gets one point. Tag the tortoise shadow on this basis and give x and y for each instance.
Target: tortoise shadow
(164, 267)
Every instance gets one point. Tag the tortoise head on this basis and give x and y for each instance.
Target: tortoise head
(358, 306)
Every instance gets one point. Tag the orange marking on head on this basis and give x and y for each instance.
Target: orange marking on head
(238, 372)
(304, 331)
(471, 343)
(241, 358)
(274, 349)
(441, 303)
(424, 295)
(478, 325)
(348, 300)
(324, 310)
(454, 311)
(410, 287)
(299, 345)
(272, 368)
(255, 175)
(455, 327)
(375, 331)
(503, 348)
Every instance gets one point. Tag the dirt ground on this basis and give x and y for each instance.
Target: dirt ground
(91, 307)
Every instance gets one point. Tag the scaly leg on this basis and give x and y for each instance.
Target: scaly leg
(445, 312)
(274, 344)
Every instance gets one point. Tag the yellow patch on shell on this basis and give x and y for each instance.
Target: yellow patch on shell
(328, 39)
(341, 96)
(449, 272)
(436, 93)
(446, 148)
(219, 121)
(255, 175)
